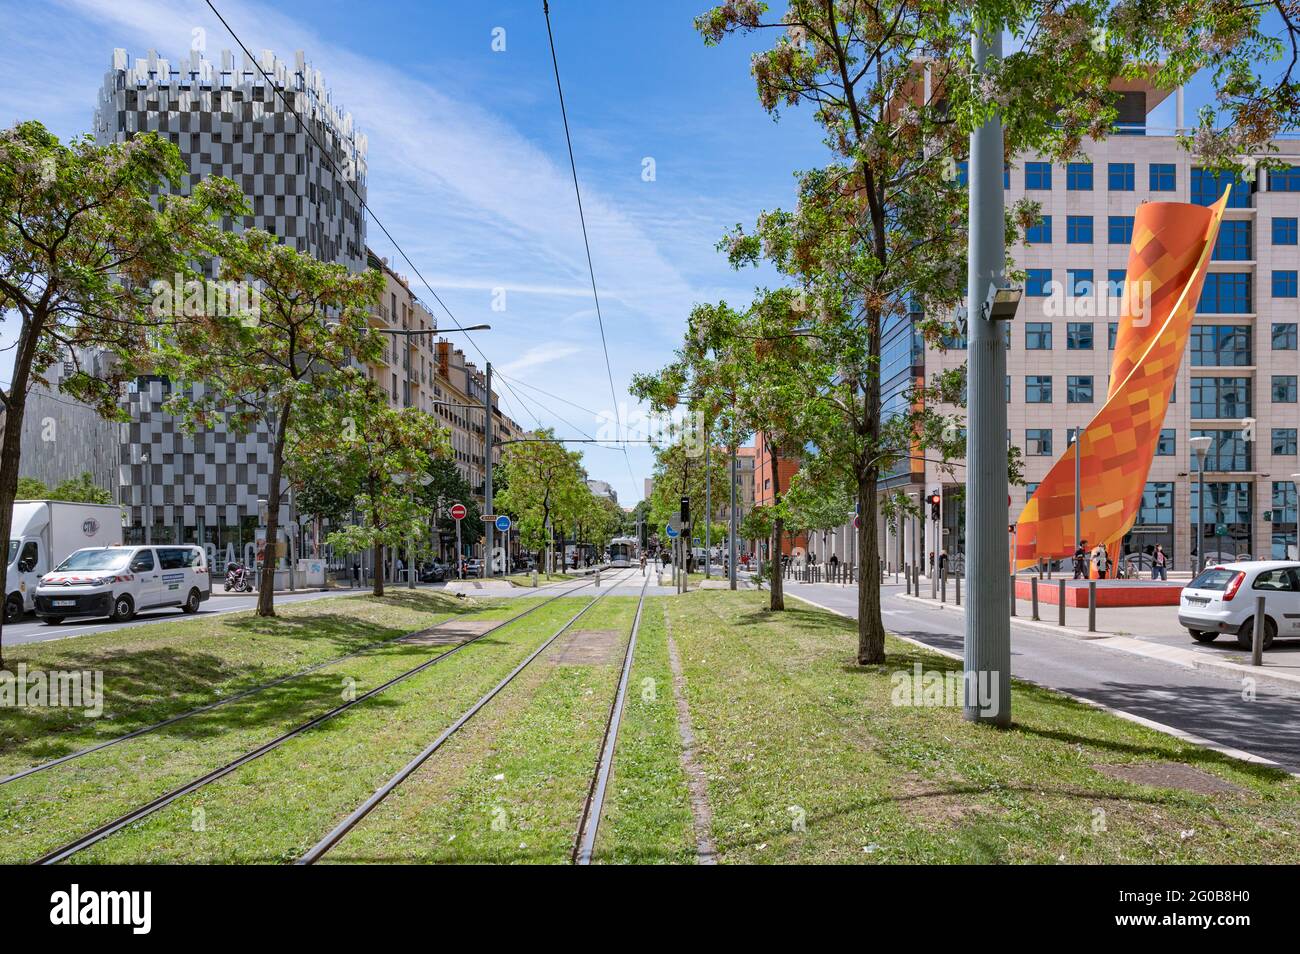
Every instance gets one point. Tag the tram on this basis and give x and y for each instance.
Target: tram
(623, 551)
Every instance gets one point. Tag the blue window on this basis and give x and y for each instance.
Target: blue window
(1078, 389)
(1038, 282)
(1038, 175)
(1220, 346)
(1038, 442)
(1284, 389)
(1225, 293)
(1284, 230)
(1119, 229)
(1167, 446)
(1038, 389)
(1208, 186)
(1164, 177)
(1284, 441)
(1286, 179)
(1220, 397)
(1080, 281)
(1078, 229)
(1233, 244)
(1120, 176)
(1284, 336)
(1284, 283)
(1078, 336)
(1041, 232)
(1112, 333)
(1038, 336)
(1078, 177)
(1115, 278)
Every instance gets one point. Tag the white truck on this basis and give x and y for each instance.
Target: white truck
(43, 534)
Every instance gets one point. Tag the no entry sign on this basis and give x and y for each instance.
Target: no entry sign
(458, 511)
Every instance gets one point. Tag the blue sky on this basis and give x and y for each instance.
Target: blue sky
(468, 167)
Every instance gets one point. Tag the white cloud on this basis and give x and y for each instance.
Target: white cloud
(540, 355)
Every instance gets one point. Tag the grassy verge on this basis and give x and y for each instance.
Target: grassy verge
(273, 809)
(808, 761)
(526, 579)
(647, 816)
(156, 671)
(510, 787)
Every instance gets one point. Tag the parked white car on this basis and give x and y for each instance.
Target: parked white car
(1222, 600)
(119, 581)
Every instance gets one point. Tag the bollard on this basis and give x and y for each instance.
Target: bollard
(597, 579)
(943, 585)
(1092, 606)
(1012, 588)
(907, 579)
(534, 579)
(1060, 599)
(1257, 644)
(1033, 596)
(957, 588)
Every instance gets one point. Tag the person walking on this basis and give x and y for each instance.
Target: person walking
(1160, 564)
(1081, 560)
(1101, 560)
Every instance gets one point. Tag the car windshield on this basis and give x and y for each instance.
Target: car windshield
(13, 551)
(1215, 579)
(96, 560)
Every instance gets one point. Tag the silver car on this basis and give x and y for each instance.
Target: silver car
(1222, 601)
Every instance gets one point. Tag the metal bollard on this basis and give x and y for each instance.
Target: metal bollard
(943, 586)
(957, 588)
(1012, 589)
(1033, 596)
(1060, 599)
(597, 579)
(534, 579)
(1092, 606)
(907, 579)
(1257, 644)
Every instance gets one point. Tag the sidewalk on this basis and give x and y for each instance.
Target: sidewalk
(1152, 632)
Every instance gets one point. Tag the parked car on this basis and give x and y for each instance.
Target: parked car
(473, 568)
(433, 572)
(119, 581)
(1221, 600)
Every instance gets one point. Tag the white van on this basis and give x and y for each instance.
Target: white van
(42, 534)
(119, 581)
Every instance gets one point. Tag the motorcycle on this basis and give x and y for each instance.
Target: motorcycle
(238, 578)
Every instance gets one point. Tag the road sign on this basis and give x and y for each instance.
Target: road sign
(503, 523)
(857, 522)
(458, 511)
(673, 532)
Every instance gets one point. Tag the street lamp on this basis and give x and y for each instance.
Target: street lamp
(1076, 440)
(1200, 447)
(148, 504)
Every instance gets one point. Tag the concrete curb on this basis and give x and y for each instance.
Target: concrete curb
(1240, 754)
(1186, 658)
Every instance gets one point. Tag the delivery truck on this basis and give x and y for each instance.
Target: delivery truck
(43, 534)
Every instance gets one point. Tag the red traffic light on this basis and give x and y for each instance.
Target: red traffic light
(934, 500)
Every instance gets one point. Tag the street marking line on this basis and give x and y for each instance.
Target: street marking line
(1240, 754)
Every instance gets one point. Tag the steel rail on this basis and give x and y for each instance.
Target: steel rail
(318, 850)
(589, 822)
(143, 811)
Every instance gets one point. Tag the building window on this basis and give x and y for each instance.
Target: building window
(1038, 442)
(1038, 175)
(1030, 488)
(1285, 230)
(1167, 445)
(1284, 441)
(1078, 177)
(1078, 389)
(1284, 520)
(1078, 229)
(1080, 281)
(1226, 293)
(1284, 336)
(1220, 346)
(1120, 176)
(1284, 388)
(1220, 397)
(1038, 282)
(1286, 179)
(1040, 233)
(1078, 336)
(1164, 177)
(1208, 186)
(1229, 450)
(1112, 332)
(1038, 389)
(1115, 279)
(1119, 229)
(1233, 244)
(1284, 283)
(1038, 336)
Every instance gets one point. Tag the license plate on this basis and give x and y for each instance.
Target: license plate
(1197, 601)
(63, 602)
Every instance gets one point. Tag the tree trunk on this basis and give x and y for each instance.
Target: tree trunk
(379, 557)
(9, 457)
(776, 599)
(266, 587)
(871, 629)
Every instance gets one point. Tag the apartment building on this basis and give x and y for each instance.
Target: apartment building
(1237, 384)
(772, 470)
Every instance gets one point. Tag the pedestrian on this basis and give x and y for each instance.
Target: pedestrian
(1159, 564)
(943, 562)
(1101, 560)
(356, 574)
(1081, 560)
(835, 560)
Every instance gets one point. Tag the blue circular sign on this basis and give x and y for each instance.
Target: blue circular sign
(672, 534)
(503, 523)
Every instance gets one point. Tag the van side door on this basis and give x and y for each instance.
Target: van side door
(145, 570)
(31, 567)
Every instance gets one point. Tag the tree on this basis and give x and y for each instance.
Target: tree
(81, 489)
(680, 472)
(543, 483)
(259, 366)
(82, 236)
(29, 488)
(448, 486)
(817, 503)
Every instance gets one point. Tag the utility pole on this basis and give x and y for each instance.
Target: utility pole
(731, 537)
(488, 568)
(708, 507)
(987, 644)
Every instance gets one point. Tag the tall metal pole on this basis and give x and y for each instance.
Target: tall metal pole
(410, 547)
(488, 568)
(708, 508)
(731, 537)
(987, 648)
(1200, 513)
(1078, 497)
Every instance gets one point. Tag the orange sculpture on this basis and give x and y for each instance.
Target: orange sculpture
(1170, 252)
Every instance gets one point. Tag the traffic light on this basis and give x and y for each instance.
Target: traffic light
(935, 500)
(686, 512)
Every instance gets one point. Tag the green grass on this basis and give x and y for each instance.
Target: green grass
(808, 761)
(526, 579)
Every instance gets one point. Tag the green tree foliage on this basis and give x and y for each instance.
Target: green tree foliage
(446, 487)
(545, 489)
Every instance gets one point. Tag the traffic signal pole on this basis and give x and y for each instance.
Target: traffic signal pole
(489, 568)
(987, 644)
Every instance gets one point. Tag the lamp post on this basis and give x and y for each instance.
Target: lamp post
(1077, 441)
(148, 503)
(1200, 447)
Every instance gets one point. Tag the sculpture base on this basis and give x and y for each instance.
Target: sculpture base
(1109, 592)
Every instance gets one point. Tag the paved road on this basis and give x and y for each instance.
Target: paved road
(1203, 703)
